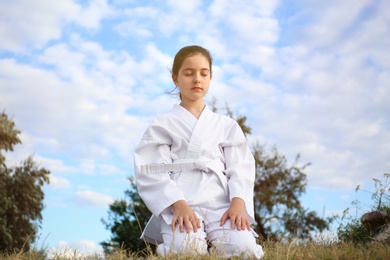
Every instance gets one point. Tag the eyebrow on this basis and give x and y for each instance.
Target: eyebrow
(195, 69)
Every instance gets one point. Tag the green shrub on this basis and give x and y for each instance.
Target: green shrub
(354, 231)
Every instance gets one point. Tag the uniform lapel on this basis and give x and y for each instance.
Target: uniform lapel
(198, 134)
(185, 115)
(199, 129)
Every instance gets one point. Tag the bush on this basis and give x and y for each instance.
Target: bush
(354, 230)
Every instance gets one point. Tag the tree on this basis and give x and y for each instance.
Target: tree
(126, 220)
(21, 195)
(278, 210)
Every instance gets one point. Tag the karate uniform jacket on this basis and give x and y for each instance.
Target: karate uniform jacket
(204, 161)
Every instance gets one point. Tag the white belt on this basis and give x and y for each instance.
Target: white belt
(187, 165)
(182, 165)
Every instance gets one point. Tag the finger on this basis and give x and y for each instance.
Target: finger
(194, 223)
(188, 226)
(232, 222)
(243, 224)
(238, 224)
(181, 225)
(223, 219)
(197, 222)
(174, 224)
(248, 225)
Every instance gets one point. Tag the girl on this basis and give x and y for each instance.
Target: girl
(195, 172)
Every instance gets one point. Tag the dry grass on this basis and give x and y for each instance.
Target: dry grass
(335, 252)
(273, 250)
(22, 256)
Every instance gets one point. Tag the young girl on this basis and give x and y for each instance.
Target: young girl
(195, 172)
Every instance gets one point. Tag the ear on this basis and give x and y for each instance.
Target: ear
(174, 79)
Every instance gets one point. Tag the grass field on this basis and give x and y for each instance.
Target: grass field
(273, 250)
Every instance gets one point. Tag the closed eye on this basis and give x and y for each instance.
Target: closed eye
(190, 72)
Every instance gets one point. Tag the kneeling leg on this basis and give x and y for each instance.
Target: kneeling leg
(176, 242)
(230, 242)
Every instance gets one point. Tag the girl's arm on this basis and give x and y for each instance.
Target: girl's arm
(240, 172)
(157, 190)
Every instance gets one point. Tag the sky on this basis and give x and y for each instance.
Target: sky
(83, 79)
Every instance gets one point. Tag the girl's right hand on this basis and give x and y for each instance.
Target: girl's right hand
(183, 215)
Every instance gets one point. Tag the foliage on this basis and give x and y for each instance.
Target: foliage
(351, 229)
(278, 210)
(21, 195)
(381, 194)
(126, 220)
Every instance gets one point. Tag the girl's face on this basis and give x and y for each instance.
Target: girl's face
(193, 78)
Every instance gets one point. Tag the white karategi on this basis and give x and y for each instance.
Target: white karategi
(205, 162)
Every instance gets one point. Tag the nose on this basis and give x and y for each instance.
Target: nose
(196, 78)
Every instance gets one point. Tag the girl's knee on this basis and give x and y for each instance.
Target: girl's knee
(238, 243)
(176, 242)
(241, 250)
(193, 246)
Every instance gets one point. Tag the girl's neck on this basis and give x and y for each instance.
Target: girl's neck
(195, 108)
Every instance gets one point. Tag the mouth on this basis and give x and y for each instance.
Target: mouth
(197, 88)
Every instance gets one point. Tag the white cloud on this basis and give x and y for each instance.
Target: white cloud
(27, 24)
(138, 22)
(133, 29)
(326, 23)
(93, 167)
(187, 7)
(177, 22)
(91, 15)
(222, 8)
(109, 169)
(32, 24)
(56, 166)
(327, 103)
(75, 110)
(88, 198)
(75, 250)
(59, 182)
(245, 27)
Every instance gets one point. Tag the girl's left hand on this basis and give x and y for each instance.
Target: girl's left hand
(237, 215)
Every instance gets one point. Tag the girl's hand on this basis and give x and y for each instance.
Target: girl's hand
(237, 215)
(183, 215)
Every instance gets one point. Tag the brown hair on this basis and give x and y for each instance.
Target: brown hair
(186, 52)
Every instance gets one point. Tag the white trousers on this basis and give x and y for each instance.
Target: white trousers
(226, 242)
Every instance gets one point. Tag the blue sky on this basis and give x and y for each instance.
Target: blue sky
(82, 80)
